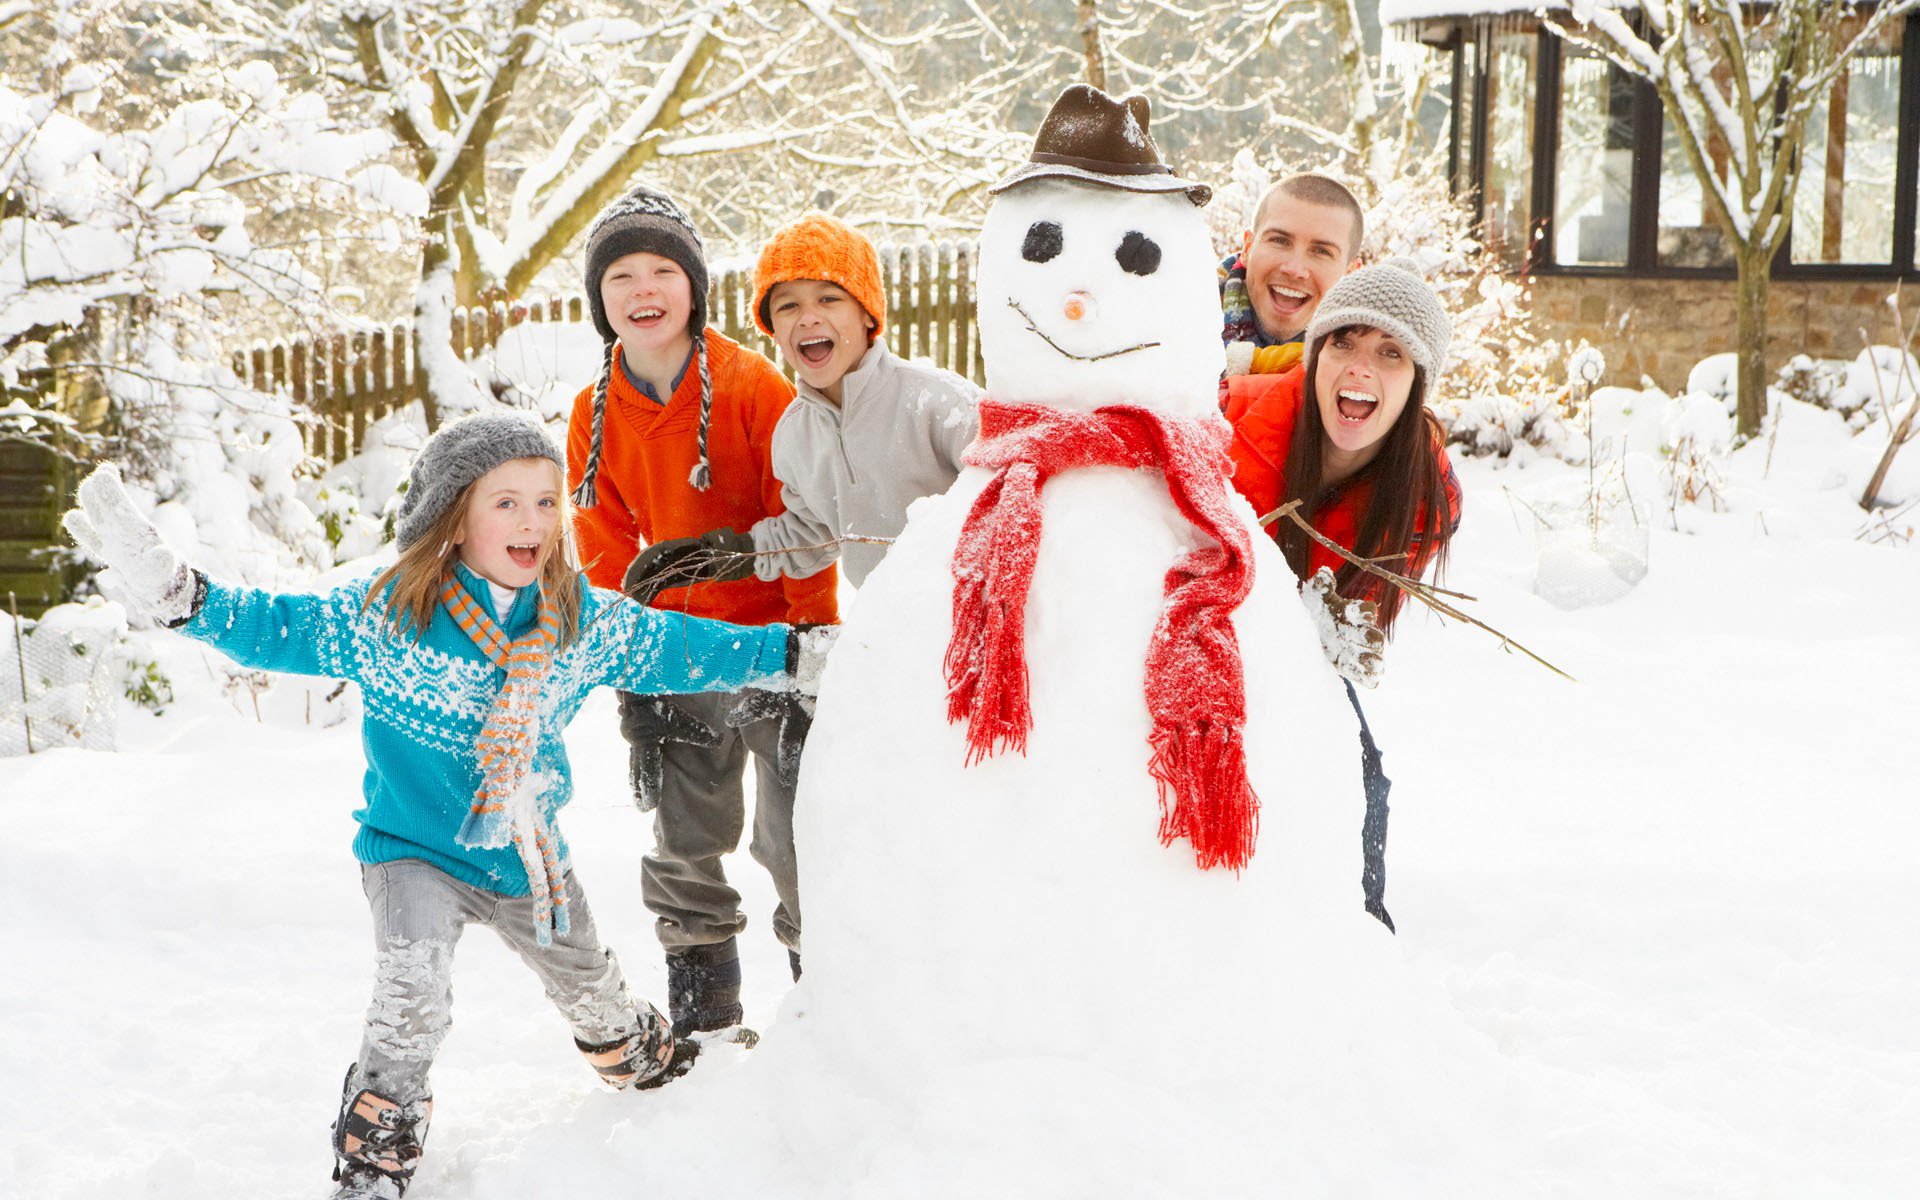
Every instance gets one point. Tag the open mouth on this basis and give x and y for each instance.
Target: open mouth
(815, 351)
(645, 316)
(1355, 405)
(1041, 334)
(1287, 300)
(524, 555)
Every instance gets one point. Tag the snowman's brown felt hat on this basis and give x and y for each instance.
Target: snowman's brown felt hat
(1091, 137)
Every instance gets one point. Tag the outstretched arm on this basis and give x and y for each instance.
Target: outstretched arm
(301, 634)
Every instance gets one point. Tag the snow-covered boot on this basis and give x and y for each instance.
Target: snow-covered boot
(645, 1059)
(703, 987)
(376, 1142)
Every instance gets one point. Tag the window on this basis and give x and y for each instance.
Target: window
(1509, 152)
(1461, 156)
(1844, 203)
(1593, 170)
(1689, 234)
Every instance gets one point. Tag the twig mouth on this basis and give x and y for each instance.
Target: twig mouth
(1062, 350)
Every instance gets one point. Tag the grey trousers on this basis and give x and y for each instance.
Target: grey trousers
(701, 816)
(419, 913)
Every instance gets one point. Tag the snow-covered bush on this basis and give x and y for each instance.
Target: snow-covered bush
(1880, 381)
(61, 677)
(1504, 384)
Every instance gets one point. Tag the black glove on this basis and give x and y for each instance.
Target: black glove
(716, 556)
(790, 709)
(649, 723)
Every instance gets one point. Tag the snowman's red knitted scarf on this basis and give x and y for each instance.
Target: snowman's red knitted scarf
(1196, 688)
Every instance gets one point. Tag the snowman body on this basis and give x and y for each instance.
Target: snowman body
(1024, 905)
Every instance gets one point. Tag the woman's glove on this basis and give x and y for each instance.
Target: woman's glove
(142, 571)
(716, 556)
(1349, 630)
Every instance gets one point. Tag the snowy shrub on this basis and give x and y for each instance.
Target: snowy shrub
(1880, 381)
(60, 677)
(1715, 375)
(1815, 381)
(1504, 384)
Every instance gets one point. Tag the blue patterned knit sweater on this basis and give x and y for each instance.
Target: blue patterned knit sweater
(426, 700)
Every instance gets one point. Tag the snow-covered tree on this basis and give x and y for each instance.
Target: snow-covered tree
(519, 120)
(141, 175)
(1738, 82)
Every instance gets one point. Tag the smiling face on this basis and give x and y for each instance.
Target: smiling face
(822, 331)
(1092, 296)
(1294, 253)
(648, 301)
(512, 521)
(1362, 380)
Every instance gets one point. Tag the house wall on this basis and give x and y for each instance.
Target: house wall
(1659, 328)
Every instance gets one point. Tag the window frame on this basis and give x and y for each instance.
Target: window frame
(1648, 122)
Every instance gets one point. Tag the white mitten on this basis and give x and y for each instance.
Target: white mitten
(807, 658)
(1349, 631)
(142, 571)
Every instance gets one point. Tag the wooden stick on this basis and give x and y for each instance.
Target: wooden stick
(1426, 594)
(20, 651)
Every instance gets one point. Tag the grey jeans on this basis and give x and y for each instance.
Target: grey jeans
(701, 816)
(419, 913)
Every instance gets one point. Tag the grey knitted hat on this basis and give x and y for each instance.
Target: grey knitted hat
(1392, 297)
(461, 452)
(648, 221)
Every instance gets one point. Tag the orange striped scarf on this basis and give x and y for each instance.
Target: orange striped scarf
(506, 747)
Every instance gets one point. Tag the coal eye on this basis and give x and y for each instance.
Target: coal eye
(1137, 254)
(1043, 242)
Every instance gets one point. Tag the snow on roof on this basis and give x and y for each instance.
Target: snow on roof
(1394, 12)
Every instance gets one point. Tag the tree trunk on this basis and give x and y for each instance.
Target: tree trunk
(1090, 38)
(1750, 344)
(431, 337)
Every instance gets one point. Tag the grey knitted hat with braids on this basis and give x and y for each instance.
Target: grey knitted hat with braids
(1392, 297)
(645, 221)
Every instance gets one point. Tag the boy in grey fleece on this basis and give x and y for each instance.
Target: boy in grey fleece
(868, 434)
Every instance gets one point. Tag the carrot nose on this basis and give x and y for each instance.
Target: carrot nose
(1076, 306)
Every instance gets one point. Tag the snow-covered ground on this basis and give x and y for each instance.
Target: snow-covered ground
(1682, 887)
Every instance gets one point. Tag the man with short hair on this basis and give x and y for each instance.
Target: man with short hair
(1306, 234)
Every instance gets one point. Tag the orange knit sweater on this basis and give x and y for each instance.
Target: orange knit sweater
(648, 451)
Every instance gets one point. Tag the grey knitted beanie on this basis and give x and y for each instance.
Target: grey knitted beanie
(461, 452)
(1392, 297)
(648, 221)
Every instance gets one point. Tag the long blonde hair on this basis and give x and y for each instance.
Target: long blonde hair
(421, 572)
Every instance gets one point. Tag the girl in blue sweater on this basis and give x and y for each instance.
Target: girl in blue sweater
(472, 653)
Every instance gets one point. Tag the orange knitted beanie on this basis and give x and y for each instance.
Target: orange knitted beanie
(819, 247)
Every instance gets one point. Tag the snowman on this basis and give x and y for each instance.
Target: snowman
(1080, 778)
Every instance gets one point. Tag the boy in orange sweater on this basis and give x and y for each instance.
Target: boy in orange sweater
(673, 439)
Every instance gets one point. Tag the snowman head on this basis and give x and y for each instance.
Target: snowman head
(1097, 283)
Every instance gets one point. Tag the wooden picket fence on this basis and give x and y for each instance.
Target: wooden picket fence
(347, 381)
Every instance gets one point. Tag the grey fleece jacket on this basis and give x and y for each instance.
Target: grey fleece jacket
(897, 435)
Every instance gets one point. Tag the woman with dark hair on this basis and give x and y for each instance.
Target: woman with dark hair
(1348, 434)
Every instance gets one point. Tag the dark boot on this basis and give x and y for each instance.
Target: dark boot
(793, 960)
(376, 1142)
(703, 988)
(647, 1058)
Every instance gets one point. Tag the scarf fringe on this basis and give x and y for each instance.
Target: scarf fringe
(1200, 768)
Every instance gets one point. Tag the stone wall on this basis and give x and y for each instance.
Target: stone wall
(1659, 328)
